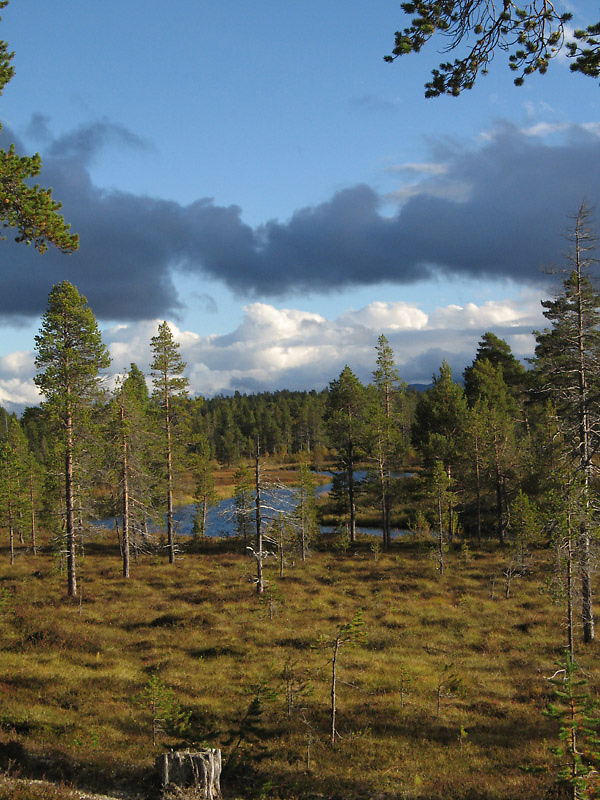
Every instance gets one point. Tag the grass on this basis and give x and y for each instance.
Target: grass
(70, 673)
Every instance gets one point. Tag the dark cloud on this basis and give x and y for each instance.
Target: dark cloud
(86, 141)
(517, 195)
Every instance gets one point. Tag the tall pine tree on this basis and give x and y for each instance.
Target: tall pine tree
(70, 353)
(567, 366)
(169, 383)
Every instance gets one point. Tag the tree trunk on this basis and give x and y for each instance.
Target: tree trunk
(125, 501)
(200, 771)
(33, 541)
(259, 540)
(351, 500)
(570, 633)
(11, 533)
(170, 537)
(336, 648)
(478, 489)
(441, 534)
(70, 516)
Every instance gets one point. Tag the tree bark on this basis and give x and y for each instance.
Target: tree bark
(125, 500)
(200, 770)
(259, 539)
(70, 520)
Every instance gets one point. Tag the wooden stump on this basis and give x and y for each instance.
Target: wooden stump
(199, 770)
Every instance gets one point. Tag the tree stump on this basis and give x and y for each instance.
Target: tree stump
(198, 770)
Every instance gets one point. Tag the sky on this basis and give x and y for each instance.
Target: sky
(261, 179)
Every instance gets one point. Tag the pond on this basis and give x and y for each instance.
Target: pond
(220, 519)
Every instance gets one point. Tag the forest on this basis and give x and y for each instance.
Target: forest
(465, 622)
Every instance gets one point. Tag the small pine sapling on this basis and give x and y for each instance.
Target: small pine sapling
(250, 726)
(351, 634)
(167, 715)
(405, 682)
(578, 753)
(298, 687)
(449, 684)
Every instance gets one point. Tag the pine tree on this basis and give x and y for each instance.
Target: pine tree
(129, 460)
(440, 426)
(203, 472)
(344, 417)
(305, 513)
(30, 210)
(70, 353)
(385, 431)
(14, 483)
(498, 353)
(567, 368)
(169, 383)
(578, 753)
(496, 416)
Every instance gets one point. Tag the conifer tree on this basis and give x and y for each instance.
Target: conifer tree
(204, 478)
(567, 367)
(497, 414)
(70, 353)
(344, 417)
(440, 425)
(578, 753)
(306, 509)
(29, 210)
(386, 437)
(169, 384)
(129, 425)
(14, 483)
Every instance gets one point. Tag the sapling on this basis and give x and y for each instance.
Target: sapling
(298, 687)
(249, 726)
(449, 684)
(348, 635)
(405, 682)
(577, 714)
(167, 715)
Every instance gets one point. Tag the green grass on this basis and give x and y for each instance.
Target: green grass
(70, 673)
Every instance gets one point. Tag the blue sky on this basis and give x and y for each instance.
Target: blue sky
(263, 180)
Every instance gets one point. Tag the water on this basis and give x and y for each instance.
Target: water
(220, 519)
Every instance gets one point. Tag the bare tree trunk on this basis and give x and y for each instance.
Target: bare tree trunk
(259, 539)
(441, 534)
(33, 530)
(170, 536)
(336, 648)
(351, 500)
(11, 533)
(570, 633)
(125, 500)
(587, 607)
(70, 516)
(478, 491)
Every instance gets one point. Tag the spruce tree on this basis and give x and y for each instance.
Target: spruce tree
(70, 353)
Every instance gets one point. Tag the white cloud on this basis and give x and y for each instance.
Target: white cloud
(493, 313)
(275, 348)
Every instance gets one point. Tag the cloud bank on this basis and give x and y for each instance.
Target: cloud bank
(494, 211)
(284, 348)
